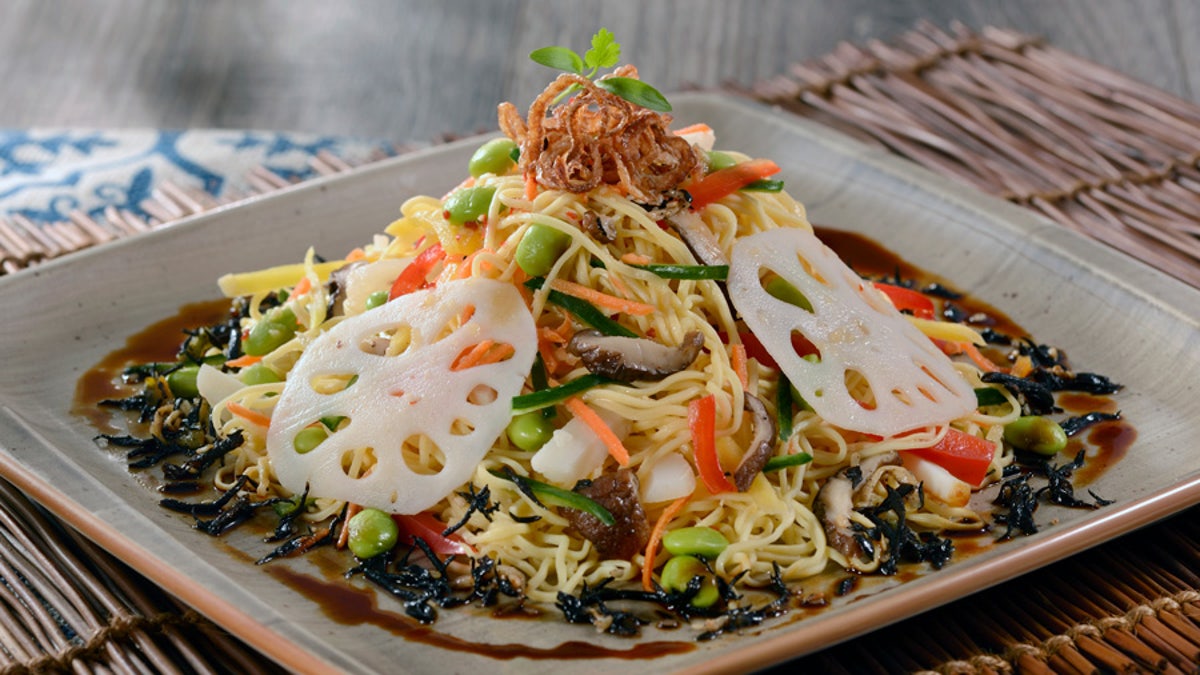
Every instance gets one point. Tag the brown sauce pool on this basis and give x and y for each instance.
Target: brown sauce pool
(1106, 443)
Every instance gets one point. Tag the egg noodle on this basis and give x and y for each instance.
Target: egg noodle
(773, 523)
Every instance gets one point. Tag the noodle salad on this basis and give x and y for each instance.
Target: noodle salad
(614, 364)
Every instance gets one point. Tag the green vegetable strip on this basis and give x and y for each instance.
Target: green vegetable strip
(538, 379)
(985, 396)
(688, 272)
(584, 310)
(546, 397)
(765, 185)
(784, 461)
(557, 496)
(783, 407)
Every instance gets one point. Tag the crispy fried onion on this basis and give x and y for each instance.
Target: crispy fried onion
(596, 138)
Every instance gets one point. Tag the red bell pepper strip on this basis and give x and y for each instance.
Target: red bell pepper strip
(907, 299)
(965, 456)
(413, 276)
(702, 420)
(725, 182)
(430, 529)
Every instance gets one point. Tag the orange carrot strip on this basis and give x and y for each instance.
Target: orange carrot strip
(530, 186)
(243, 361)
(737, 359)
(352, 510)
(615, 448)
(467, 313)
(693, 128)
(482, 354)
(656, 535)
(303, 286)
(356, 255)
(251, 416)
(980, 360)
(635, 259)
(618, 284)
(602, 299)
(1022, 366)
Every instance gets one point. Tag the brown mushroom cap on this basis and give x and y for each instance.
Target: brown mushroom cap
(628, 358)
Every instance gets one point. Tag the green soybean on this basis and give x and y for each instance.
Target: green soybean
(697, 541)
(718, 160)
(272, 332)
(376, 299)
(259, 374)
(781, 289)
(680, 570)
(1036, 433)
(372, 532)
(468, 204)
(540, 248)
(530, 431)
(182, 382)
(495, 156)
(309, 438)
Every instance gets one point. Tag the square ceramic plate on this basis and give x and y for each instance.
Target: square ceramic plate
(1112, 314)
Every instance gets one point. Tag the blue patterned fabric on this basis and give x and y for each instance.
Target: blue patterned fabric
(45, 174)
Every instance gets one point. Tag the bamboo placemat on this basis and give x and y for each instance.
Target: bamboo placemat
(1093, 150)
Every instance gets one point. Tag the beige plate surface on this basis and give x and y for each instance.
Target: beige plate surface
(1113, 315)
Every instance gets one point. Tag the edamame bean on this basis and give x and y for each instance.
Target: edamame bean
(718, 160)
(781, 289)
(468, 204)
(182, 382)
(699, 541)
(540, 247)
(495, 156)
(309, 438)
(1036, 433)
(272, 332)
(530, 431)
(259, 374)
(376, 299)
(680, 570)
(372, 532)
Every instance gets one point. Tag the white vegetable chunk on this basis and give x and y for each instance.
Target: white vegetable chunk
(575, 451)
(216, 385)
(669, 479)
(937, 482)
(366, 279)
(406, 404)
(859, 334)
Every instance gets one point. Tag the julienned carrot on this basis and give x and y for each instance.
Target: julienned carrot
(635, 259)
(737, 359)
(699, 127)
(615, 447)
(303, 286)
(1022, 366)
(251, 416)
(530, 186)
(243, 361)
(980, 360)
(602, 299)
(656, 535)
(352, 510)
(482, 354)
(723, 182)
(702, 420)
(356, 255)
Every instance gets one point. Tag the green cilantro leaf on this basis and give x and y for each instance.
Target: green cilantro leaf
(605, 51)
(558, 58)
(636, 92)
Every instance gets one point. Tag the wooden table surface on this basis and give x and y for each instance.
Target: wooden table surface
(412, 70)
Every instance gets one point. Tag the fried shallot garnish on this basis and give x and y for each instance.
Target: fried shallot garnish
(596, 138)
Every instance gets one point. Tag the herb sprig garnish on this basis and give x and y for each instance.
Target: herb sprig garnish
(604, 53)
